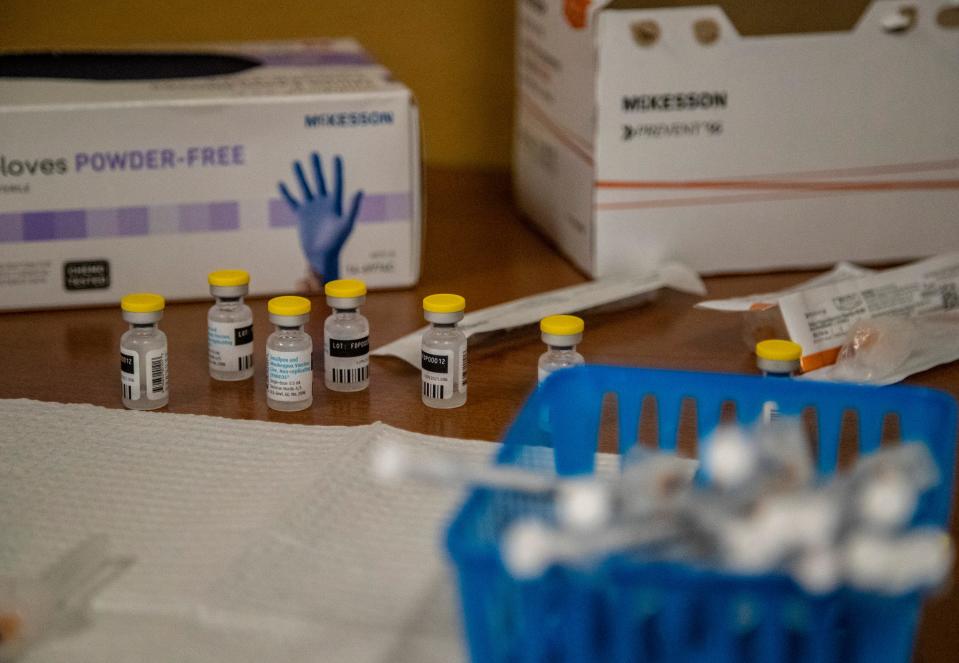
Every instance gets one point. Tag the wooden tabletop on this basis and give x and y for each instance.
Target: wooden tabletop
(476, 245)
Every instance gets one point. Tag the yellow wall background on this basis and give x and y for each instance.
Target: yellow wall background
(456, 55)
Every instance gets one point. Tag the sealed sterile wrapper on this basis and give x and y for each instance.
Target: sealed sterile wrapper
(842, 271)
(144, 170)
(761, 319)
(861, 325)
(819, 318)
(612, 292)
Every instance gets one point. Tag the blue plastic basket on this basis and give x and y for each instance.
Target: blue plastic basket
(623, 610)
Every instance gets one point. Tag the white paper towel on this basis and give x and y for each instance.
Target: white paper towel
(254, 541)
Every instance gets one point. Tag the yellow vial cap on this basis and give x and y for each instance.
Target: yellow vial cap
(229, 277)
(345, 288)
(289, 305)
(561, 325)
(444, 303)
(778, 350)
(142, 302)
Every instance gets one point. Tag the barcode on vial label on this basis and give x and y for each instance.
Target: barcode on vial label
(156, 370)
(243, 363)
(127, 391)
(438, 374)
(157, 379)
(350, 375)
(436, 391)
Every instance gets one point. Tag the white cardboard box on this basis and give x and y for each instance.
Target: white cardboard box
(114, 186)
(637, 142)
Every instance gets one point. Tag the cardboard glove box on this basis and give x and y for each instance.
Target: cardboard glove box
(138, 171)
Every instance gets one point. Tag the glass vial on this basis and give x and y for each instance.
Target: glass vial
(230, 326)
(144, 366)
(561, 334)
(777, 359)
(289, 355)
(346, 337)
(444, 352)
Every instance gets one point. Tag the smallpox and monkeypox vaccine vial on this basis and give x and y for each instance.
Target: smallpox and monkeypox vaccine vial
(144, 367)
(777, 358)
(230, 326)
(289, 355)
(444, 352)
(561, 333)
(346, 337)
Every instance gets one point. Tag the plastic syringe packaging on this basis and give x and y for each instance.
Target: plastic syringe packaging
(828, 314)
(819, 319)
(760, 311)
(611, 292)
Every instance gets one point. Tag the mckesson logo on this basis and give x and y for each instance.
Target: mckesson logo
(10, 167)
(355, 119)
(642, 103)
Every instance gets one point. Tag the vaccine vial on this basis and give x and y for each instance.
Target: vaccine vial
(444, 352)
(144, 367)
(289, 355)
(779, 359)
(230, 326)
(346, 337)
(561, 334)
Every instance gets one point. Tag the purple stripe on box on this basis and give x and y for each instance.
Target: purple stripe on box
(40, 226)
(281, 216)
(11, 227)
(399, 206)
(208, 217)
(224, 216)
(161, 219)
(102, 222)
(375, 207)
(194, 218)
(133, 221)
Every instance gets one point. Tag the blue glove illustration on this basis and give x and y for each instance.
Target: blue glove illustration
(323, 225)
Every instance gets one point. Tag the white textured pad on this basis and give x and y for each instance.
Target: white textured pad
(254, 541)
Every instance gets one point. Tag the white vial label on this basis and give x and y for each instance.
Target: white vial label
(438, 374)
(346, 361)
(156, 361)
(290, 375)
(130, 374)
(230, 345)
(462, 369)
